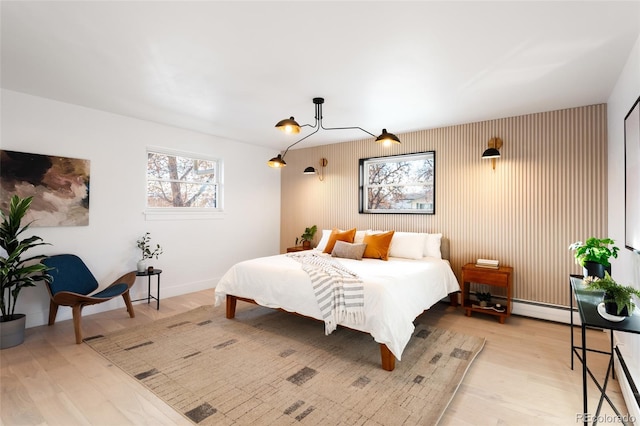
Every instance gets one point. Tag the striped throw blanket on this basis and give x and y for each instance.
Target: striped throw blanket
(339, 292)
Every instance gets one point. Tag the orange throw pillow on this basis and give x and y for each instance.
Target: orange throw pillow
(378, 245)
(337, 235)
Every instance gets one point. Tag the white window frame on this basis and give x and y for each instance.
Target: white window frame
(185, 213)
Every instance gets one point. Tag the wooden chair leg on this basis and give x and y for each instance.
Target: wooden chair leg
(53, 311)
(127, 301)
(77, 316)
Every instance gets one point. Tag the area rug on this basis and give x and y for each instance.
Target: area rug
(267, 367)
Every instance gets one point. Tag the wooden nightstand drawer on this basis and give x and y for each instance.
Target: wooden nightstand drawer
(485, 276)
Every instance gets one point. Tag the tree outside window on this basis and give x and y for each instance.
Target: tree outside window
(398, 184)
(183, 181)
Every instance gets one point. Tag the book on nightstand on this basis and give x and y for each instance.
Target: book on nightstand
(488, 263)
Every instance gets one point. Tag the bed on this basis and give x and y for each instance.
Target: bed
(396, 290)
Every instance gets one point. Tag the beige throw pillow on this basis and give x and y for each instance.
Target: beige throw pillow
(348, 250)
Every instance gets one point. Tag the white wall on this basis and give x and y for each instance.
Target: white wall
(196, 252)
(626, 268)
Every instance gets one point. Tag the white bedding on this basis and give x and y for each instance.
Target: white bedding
(395, 291)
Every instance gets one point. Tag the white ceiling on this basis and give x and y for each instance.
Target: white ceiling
(233, 69)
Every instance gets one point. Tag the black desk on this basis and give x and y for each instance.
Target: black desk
(157, 273)
(588, 301)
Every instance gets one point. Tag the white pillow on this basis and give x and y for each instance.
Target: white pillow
(432, 245)
(359, 238)
(408, 245)
(326, 233)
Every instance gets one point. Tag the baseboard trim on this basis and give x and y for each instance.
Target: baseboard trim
(545, 311)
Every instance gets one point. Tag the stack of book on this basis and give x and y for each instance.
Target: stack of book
(487, 263)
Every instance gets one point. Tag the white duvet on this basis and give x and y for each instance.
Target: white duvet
(395, 291)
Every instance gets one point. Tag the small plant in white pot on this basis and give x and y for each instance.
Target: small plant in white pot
(144, 244)
(16, 270)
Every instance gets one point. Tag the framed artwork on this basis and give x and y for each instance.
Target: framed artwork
(632, 177)
(398, 184)
(59, 187)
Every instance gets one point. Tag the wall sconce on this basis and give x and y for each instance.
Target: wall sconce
(312, 171)
(492, 152)
(290, 125)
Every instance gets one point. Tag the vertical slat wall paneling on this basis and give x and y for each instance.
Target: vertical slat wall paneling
(548, 190)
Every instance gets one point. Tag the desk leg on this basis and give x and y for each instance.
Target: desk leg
(585, 408)
(571, 321)
(613, 370)
(604, 388)
(149, 290)
(158, 295)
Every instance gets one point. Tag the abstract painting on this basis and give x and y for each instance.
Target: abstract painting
(59, 187)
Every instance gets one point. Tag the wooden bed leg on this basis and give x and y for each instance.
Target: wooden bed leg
(453, 298)
(388, 360)
(231, 306)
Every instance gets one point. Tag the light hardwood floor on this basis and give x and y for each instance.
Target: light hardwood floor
(521, 377)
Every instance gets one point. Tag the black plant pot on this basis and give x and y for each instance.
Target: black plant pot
(612, 308)
(594, 269)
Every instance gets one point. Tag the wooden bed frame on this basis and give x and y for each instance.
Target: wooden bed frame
(388, 360)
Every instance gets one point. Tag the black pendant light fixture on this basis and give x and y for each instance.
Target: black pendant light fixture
(290, 125)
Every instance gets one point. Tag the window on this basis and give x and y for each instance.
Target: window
(398, 184)
(183, 182)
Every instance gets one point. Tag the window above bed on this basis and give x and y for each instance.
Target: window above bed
(398, 184)
(182, 185)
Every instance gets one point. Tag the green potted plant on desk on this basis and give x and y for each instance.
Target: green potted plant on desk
(617, 298)
(307, 237)
(16, 271)
(594, 254)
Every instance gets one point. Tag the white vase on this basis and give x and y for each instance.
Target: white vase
(142, 265)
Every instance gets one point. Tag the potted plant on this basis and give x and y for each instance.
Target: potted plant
(144, 244)
(307, 236)
(16, 271)
(594, 254)
(484, 299)
(617, 298)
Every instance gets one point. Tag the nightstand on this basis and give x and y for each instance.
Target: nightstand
(297, 248)
(500, 277)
